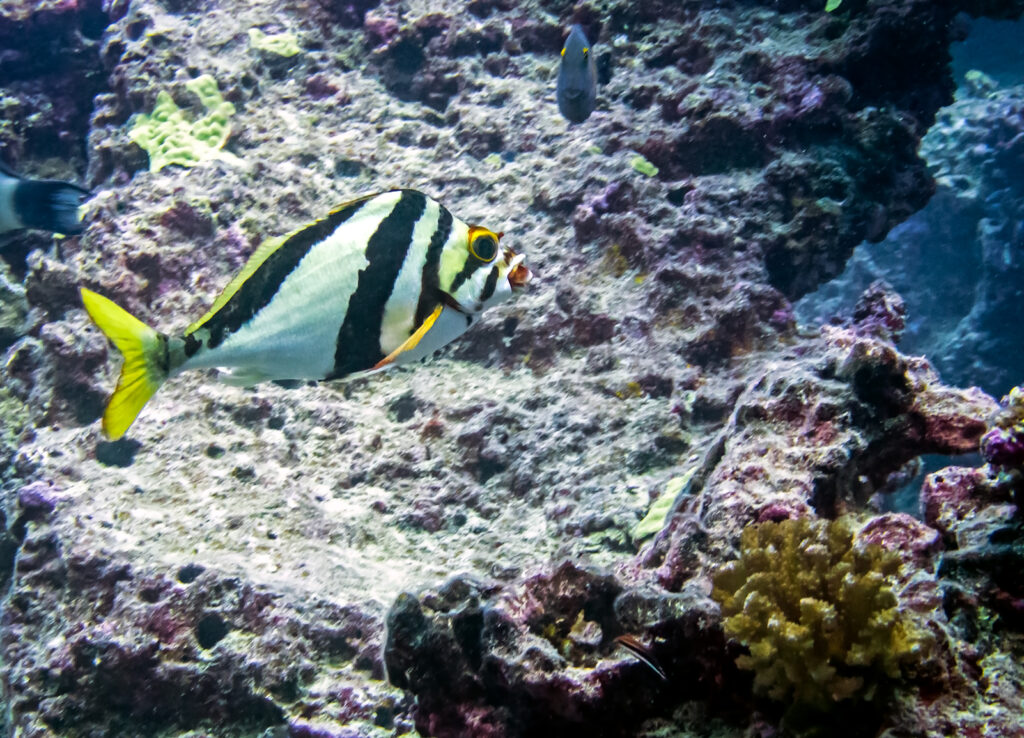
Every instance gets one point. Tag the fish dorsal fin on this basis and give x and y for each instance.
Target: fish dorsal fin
(260, 255)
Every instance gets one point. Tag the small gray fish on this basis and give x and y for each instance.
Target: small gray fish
(46, 204)
(577, 78)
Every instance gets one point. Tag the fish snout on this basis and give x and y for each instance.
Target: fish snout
(518, 273)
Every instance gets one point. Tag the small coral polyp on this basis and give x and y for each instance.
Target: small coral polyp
(817, 612)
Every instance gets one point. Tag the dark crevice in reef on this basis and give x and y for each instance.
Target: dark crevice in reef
(8, 552)
(50, 75)
(51, 67)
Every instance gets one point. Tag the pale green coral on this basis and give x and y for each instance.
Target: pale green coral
(282, 44)
(643, 166)
(169, 137)
(654, 521)
(817, 612)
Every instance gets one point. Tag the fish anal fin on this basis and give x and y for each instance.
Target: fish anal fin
(242, 377)
(411, 342)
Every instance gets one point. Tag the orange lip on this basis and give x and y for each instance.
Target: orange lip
(519, 274)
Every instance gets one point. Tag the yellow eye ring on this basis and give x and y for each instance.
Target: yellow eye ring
(484, 246)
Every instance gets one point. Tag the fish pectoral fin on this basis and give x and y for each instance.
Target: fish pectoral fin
(410, 343)
(242, 377)
(449, 301)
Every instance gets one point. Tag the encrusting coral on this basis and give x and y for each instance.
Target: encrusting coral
(817, 612)
(170, 138)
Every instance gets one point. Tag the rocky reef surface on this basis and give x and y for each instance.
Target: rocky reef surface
(454, 548)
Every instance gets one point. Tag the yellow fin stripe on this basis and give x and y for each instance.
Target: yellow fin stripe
(411, 341)
(260, 255)
(142, 373)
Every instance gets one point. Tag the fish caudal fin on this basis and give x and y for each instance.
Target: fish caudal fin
(145, 362)
(49, 205)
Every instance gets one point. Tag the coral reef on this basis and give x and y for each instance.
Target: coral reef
(258, 561)
(817, 612)
(978, 512)
(191, 649)
(1003, 445)
(817, 431)
(13, 309)
(538, 658)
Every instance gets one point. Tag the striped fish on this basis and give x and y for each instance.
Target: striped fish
(381, 281)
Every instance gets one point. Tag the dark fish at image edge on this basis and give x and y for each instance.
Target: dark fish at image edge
(43, 204)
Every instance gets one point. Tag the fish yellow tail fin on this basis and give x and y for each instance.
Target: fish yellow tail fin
(145, 362)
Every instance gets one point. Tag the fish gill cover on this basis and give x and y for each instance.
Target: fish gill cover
(452, 549)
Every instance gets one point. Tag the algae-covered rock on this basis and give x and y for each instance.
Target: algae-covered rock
(13, 310)
(228, 569)
(14, 418)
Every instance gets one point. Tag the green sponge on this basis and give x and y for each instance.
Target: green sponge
(169, 137)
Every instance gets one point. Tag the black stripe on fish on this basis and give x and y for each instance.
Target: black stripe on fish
(471, 265)
(257, 291)
(432, 268)
(358, 345)
(192, 345)
(490, 285)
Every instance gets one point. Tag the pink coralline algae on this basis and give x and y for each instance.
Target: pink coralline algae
(1003, 446)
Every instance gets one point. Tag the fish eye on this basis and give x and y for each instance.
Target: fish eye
(484, 247)
(563, 51)
(586, 50)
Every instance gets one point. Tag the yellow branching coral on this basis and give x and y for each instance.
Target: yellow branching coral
(818, 613)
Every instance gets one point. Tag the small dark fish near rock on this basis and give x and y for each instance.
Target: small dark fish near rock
(45, 204)
(642, 653)
(577, 78)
